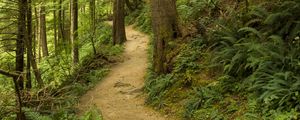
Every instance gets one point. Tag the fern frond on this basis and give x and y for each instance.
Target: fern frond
(253, 21)
(276, 17)
(251, 30)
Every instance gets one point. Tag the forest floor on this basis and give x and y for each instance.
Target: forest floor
(120, 95)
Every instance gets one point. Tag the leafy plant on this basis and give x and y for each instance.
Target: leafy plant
(92, 114)
(157, 87)
(192, 9)
(203, 97)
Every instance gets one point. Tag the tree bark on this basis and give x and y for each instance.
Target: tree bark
(43, 31)
(93, 24)
(55, 28)
(119, 35)
(36, 72)
(31, 58)
(21, 38)
(165, 29)
(61, 33)
(74, 32)
(37, 34)
(29, 45)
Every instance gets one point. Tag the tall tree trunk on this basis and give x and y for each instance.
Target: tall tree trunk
(61, 37)
(36, 72)
(43, 31)
(165, 29)
(74, 32)
(28, 71)
(29, 45)
(21, 38)
(119, 35)
(31, 59)
(34, 41)
(55, 28)
(92, 23)
(37, 35)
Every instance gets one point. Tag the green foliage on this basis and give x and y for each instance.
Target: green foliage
(264, 59)
(186, 65)
(64, 82)
(92, 114)
(208, 114)
(257, 54)
(193, 9)
(141, 19)
(188, 57)
(286, 115)
(36, 116)
(55, 70)
(203, 97)
(156, 88)
(6, 60)
(105, 34)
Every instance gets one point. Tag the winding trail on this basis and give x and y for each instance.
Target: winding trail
(119, 95)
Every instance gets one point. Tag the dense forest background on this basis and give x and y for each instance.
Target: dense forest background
(208, 59)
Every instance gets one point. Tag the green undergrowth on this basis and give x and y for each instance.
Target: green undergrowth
(66, 83)
(91, 114)
(140, 18)
(242, 63)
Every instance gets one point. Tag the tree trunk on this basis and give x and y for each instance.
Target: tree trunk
(32, 58)
(74, 32)
(61, 37)
(55, 28)
(92, 23)
(37, 34)
(43, 31)
(29, 45)
(164, 24)
(119, 35)
(21, 38)
(36, 72)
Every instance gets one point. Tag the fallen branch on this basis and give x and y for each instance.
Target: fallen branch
(9, 74)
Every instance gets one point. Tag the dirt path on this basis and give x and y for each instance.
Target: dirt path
(119, 95)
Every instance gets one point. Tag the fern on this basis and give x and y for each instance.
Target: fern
(202, 97)
(251, 30)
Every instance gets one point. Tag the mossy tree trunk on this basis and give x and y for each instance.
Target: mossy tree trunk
(93, 24)
(31, 57)
(165, 29)
(55, 27)
(119, 35)
(60, 20)
(29, 44)
(74, 32)
(43, 30)
(20, 46)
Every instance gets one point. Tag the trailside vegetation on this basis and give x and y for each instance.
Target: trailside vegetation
(47, 63)
(235, 59)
